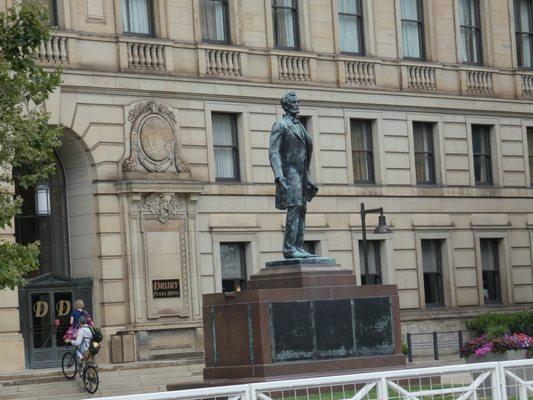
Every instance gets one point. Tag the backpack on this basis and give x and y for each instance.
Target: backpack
(97, 334)
(94, 347)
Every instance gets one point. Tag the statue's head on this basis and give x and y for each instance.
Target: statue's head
(290, 103)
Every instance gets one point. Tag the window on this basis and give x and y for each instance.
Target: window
(424, 152)
(362, 151)
(374, 263)
(524, 32)
(285, 16)
(215, 21)
(43, 217)
(226, 146)
(311, 246)
(351, 26)
(137, 17)
(482, 156)
(470, 31)
(432, 266)
(412, 29)
(52, 12)
(233, 266)
(530, 153)
(490, 266)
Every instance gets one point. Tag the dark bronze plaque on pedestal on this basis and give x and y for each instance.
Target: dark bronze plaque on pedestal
(292, 332)
(327, 329)
(334, 328)
(373, 327)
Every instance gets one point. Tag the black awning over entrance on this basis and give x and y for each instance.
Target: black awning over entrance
(45, 306)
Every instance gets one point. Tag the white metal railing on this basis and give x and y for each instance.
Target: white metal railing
(494, 380)
(421, 77)
(53, 50)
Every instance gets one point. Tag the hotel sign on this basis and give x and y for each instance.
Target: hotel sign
(166, 288)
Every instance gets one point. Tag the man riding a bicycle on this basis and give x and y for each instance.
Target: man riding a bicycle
(82, 341)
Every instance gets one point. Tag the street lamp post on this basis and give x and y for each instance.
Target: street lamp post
(380, 229)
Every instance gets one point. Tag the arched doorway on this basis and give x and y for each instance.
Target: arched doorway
(46, 301)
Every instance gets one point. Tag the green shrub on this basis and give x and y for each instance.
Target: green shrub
(495, 331)
(513, 322)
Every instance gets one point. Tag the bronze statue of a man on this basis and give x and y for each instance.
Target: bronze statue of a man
(290, 156)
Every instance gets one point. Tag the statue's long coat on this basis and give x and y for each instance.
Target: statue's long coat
(290, 156)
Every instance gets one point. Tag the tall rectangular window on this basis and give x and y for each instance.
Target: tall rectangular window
(432, 266)
(374, 263)
(52, 12)
(351, 26)
(490, 266)
(469, 17)
(215, 21)
(412, 29)
(285, 14)
(226, 146)
(523, 12)
(362, 150)
(482, 154)
(424, 153)
(233, 266)
(530, 153)
(137, 17)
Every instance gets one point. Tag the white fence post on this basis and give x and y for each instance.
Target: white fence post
(383, 389)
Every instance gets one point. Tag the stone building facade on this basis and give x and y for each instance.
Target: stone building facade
(420, 107)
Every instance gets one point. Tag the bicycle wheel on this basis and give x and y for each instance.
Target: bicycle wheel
(90, 379)
(69, 366)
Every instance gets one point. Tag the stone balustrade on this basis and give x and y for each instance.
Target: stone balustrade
(223, 63)
(527, 85)
(421, 77)
(294, 68)
(360, 73)
(479, 82)
(149, 56)
(54, 50)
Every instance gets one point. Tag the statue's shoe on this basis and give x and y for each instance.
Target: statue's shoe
(295, 254)
(306, 254)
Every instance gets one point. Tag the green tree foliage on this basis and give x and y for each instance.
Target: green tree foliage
(495, 323)
(26, 139)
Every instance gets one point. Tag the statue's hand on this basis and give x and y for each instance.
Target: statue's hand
(283, 182)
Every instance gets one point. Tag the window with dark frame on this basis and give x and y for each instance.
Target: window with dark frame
(137, 17)
(43, 218)
(52, 13)
(469, 17)
(530, 153)
(286, 29)
(233, 266)
(412, 29)
(311, 246)
(432, 267)
(225, 146)
(523, 10)
(215, 21)
(424, 153)
(482, 154)
(351, 31)
(362, 151)
(490, 266)
(374, 262)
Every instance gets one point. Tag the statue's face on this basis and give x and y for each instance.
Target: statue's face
(293, 105)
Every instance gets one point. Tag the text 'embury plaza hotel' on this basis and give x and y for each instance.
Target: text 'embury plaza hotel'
(164, 191)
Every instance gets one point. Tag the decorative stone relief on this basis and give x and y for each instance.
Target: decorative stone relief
(154, 143)
(162, 205)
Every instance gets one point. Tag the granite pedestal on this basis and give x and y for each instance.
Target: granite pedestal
(300, 317)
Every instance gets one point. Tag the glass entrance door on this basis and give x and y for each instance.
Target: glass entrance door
(50, 317)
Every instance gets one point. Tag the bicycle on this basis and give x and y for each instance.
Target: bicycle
(88, 374)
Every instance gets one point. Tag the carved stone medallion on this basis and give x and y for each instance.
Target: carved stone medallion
(162, 205)
(154, 142)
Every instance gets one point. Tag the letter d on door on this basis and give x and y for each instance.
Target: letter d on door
(40, 309)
